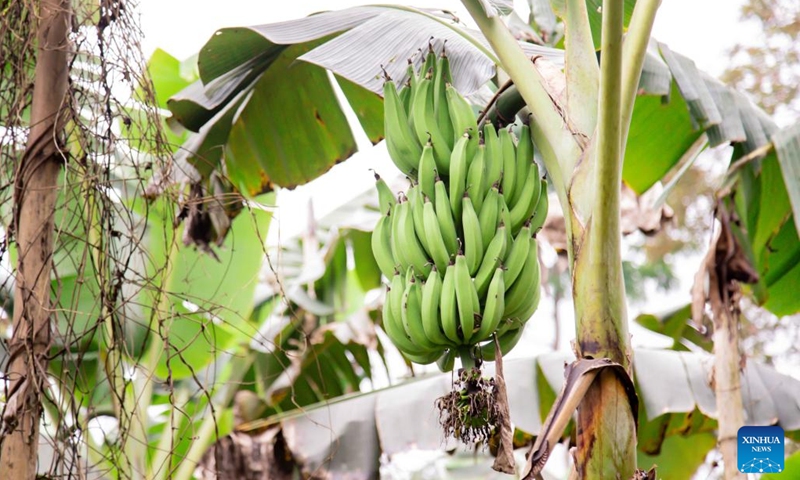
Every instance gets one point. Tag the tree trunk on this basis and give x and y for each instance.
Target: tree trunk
(728, 389)
(36, 181)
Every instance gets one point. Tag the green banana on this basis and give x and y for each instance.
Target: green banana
(427, 170)
(458, 174)
(523, 295)
(494, 307)
(424, 120)
(508, 151)
(431, 297)
(505, 216)
(412, 315)
(476, 178)
(416, 205)
(440, 82)
(398, 252)
(492, 259)
(448, 305)
(430, 62)
(435, 240)
(400, 140)
(447, 361)
(507, 341)
(494, 156)
(465, 298)
(424, 358)
(392, 322)
(382, 246)
(461, 114)
(406, 95)
(524, 157)
(386, 199)
(528, 198)
(515, 260)
(473, 242)
(405, 243)
(447, 225)
(489, 215)
(540, 213)
(419, 104)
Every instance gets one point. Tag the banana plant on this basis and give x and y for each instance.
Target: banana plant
(593, 124)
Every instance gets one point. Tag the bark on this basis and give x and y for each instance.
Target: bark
(35, 194)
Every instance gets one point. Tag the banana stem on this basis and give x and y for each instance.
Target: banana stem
(467, 360)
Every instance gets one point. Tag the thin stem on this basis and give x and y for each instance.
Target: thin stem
(633, 52)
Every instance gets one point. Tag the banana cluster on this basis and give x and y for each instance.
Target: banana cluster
(459, 246)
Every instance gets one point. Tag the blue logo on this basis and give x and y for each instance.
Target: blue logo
(760, 450)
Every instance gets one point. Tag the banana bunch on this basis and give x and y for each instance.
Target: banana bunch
(459, 246)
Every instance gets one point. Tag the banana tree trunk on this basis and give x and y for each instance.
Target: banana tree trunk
(728, 390)
(36, 180)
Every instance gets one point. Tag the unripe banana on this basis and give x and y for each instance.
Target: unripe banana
(473, 242)
(382, 246)
(393, 324)
(494, 156)
(406, 95)
(476, 178)
(465, 298)
(521, 211)
(424, 120)
(435, 240)
(412, 315)
(508, 152)
(416, 205)
(448, 306)
(427, 170)
(489, 215)
(405, 243)
(400, 140)
(431, 297)
(398, 252)
(505, 217)
(430, 63)
(515, 260)
(523, 296)
(540, 214)
(444, 214)
(461, 114)
(386, 199)
(524, 157)
(491, 260)
(458, 174)
(494, 307)
(507, 341)
(440, 103)
(424, 358)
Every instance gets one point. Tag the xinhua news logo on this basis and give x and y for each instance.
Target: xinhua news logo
(760, 450)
